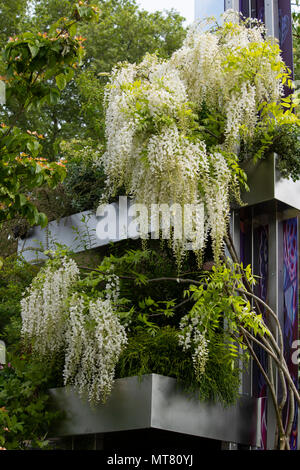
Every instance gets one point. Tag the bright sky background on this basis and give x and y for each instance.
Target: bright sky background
(185, 7)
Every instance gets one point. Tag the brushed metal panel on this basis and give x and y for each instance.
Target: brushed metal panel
(127, 408)
(266, 184)
(287, 191)
(261, 181)
(174, 410)
(156, 402)
(78, 231)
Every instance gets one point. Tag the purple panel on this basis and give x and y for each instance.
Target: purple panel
(260, 10)
(259, 383)
(244, 8)
(257, 9)
(290, 293)
(285, 31)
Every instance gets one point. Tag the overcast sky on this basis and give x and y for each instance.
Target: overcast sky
(185, 7)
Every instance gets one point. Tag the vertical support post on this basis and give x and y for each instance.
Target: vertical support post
(2, 353)
(273, 287)
(290, 292)
(232, 5)
(271, 18)
(241, 234)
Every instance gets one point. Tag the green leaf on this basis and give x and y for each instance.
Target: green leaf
(73, 30)
(42, 220)
(61, 81)
(53, 97)
(34, 50)
(22, 201)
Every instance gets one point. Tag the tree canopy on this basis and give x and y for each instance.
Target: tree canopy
(123, 33)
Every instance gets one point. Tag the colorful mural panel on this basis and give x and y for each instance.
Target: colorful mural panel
(285, 31)
(290, 297)
(259, 383)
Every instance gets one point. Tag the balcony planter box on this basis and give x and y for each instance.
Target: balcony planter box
(77, 231)
(266, 184)
(156, 402)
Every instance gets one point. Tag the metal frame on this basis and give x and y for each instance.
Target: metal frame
(271, 18)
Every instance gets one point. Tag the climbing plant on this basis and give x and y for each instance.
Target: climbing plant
(174, 127)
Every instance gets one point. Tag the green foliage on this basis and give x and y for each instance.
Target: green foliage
(278, 124)
(283, 137)
(15, 276)
(284, 141)
(124, 33)
(31, 61)
(153, 331)
(161, 354)
(85, 179)
(44, 98)
(153, 334)
(25, 413)
(221, 306)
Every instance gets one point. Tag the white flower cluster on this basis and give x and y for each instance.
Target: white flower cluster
(44, 309)
(200, 354)
(94, 341)
(151, 149)
(88, 332)
(150, 154)
(233, 70)
(191, 337)
(217, 200)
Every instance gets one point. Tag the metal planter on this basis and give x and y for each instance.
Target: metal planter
(266, 184)
(156, 402)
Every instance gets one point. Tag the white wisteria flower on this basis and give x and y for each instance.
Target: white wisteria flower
(58, 319)
(160, 112)
(44, 307)
(192, 337)
(94, 341)
(151, 154)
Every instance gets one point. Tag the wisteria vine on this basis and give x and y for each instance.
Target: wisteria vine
(221, 83)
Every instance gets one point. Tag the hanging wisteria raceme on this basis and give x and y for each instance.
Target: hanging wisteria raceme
(43, 308)
(87, 331)
(94, 341)
(151, 152)
(155, 146)
(234, 70)
(192, 336)
(217, 189)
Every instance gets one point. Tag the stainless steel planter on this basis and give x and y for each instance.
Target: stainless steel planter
(156, 402)
(266, 184)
